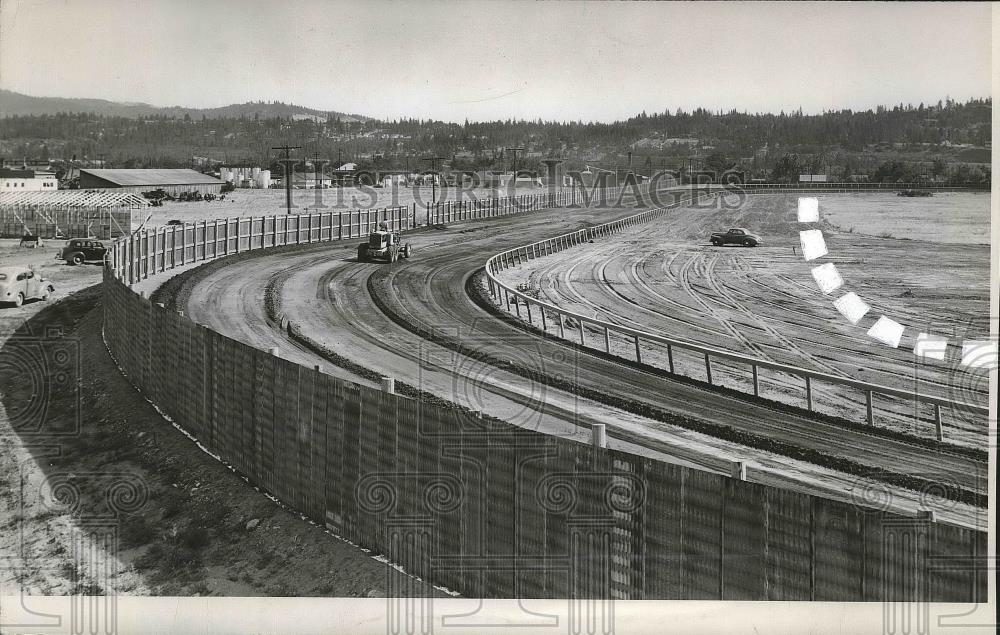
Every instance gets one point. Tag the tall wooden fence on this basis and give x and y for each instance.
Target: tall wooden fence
(489, 509)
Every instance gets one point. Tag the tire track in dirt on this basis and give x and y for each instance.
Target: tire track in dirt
(711, 278)
(688, 286)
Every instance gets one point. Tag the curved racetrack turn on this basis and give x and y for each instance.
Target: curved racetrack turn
(326, 294)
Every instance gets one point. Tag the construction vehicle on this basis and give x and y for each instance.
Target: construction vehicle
(383, 244)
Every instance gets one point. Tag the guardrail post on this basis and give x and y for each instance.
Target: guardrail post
(517, 305)
(607, 340)
(809, 394)
(527, 305)
(756, 381)
(708, 368)
(869, 417)
(638, 355)
(937, 422)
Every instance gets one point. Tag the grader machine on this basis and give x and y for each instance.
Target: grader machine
(384, 245)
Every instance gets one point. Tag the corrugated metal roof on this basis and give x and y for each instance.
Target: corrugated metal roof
(83, 199)
(152, 177)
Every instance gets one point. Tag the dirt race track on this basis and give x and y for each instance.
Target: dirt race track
(414, 321)
(762, 302)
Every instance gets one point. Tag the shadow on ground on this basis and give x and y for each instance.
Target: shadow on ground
(87, 461)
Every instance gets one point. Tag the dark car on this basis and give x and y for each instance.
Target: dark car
(80, 250)
(736, 236)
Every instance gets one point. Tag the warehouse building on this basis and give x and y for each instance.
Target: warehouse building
(137, 181)
(27, 181)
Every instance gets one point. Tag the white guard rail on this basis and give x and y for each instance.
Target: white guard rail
(511, 297)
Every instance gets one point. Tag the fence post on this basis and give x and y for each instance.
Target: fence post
(937, 422)
(388, 385)
(607, 340)
(708, 368)
(562, 328)
(599, 435)
(638, 355)
(756, 384)
(582, 342)
(809, 394)
(670, 358)
(738, 470)
(870, 418)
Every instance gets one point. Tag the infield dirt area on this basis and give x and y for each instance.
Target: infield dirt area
(665, 277)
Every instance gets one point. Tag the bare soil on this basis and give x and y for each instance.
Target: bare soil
(102, 459)
(255, 202)
(763, 302)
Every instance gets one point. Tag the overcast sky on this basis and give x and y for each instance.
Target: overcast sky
(450, 60)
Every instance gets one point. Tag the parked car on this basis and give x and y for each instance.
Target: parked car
(18, 284)
(736, 236)
(80, 250)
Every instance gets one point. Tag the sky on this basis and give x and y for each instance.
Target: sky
(589, 61)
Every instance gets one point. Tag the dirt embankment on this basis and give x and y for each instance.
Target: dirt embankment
(103, 457)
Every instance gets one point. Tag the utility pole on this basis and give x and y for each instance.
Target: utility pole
(317, 173)
(288, 175)
(515, 151)
(433, 161)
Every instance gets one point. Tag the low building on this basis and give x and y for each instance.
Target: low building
(310, 181)
(172, 181)
(27, 181)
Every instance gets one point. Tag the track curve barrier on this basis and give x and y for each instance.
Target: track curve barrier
(544, 315)
(483, 507)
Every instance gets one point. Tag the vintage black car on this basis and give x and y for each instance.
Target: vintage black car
(80, 250)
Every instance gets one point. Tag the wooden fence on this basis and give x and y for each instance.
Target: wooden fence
(486, 508)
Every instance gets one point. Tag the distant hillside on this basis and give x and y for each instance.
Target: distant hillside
(16, 104)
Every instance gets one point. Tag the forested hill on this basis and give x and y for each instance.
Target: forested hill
(16, 104)
(163, 137)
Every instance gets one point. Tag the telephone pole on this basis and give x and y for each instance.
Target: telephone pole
(433, 161)
(515, 151)
(288, 175)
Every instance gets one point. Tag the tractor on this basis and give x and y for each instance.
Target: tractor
(383, 245)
